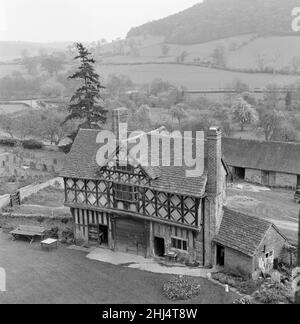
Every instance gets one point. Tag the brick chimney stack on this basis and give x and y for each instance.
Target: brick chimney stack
(119, 116)
(215, 194)
(214, 183)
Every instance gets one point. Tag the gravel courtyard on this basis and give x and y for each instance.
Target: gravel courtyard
(67, 276)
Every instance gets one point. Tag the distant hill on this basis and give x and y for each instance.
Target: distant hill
(10, 50)
(216, 19)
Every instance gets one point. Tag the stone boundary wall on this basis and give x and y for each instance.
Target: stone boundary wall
(31, 190)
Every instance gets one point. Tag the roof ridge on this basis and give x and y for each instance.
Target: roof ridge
(260, 141)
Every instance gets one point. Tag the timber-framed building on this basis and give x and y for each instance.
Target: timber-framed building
(149, 211)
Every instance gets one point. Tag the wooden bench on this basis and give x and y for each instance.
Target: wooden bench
(29, 232)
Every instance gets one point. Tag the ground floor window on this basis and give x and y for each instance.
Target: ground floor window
(179, 244)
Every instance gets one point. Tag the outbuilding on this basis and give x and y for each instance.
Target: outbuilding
(273, 164)
(247, 244)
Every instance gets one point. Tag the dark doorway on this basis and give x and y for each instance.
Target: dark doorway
(298, 181)
(159, 246)
(240, 173)
(265, 178)
(103, 235)
(220, 255)
(98, 235)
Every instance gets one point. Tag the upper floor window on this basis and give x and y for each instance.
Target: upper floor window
(125, 168)
(125, 193)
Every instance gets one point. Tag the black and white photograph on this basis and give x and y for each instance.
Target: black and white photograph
(149, 155)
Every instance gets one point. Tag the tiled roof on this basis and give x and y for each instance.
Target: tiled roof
(241, 232)
(267, 156)
(81, 163)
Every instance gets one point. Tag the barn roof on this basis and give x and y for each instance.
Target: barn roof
(267, 156)
(81, 163)
(242, 232)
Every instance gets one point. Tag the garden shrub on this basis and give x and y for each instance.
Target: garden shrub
(40, 219)
(243, 301)
(67, 236)
(181, 288)
(32, 144)
(274, 293)
(8, 142)
(65, 220)
(53, 233)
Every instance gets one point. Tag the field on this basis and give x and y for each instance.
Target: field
(151, 50)
(276, 50)
(192, 77)
(12, 108)
(245, 54)
(241, 52)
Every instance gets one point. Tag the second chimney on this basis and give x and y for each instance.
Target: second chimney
(119, 116)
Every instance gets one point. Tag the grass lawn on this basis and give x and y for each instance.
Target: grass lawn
(67, 276)
(276, 205)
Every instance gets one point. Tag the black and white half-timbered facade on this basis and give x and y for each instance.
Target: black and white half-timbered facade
(149, 211)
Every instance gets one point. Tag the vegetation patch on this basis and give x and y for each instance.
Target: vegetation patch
(245, 286)
(272, 292)
(32, 144)
(181, 288)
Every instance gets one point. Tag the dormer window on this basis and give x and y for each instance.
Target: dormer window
(125, 168)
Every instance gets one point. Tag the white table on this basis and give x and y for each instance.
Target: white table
(49, 243)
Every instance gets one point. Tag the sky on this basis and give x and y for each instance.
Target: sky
(80, 20)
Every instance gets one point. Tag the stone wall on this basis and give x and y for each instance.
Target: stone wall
(254, 176)
(273, 242)
(4, 201)
(286, 180)
(238, 262)
(35, 188)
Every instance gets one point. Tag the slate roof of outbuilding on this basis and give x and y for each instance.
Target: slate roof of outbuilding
(266, 156)
(81, 163)
(242, 232)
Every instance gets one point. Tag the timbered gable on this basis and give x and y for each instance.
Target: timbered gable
(146, 201)
(135, 176)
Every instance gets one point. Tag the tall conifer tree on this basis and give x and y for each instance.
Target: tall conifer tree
(85, 104)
